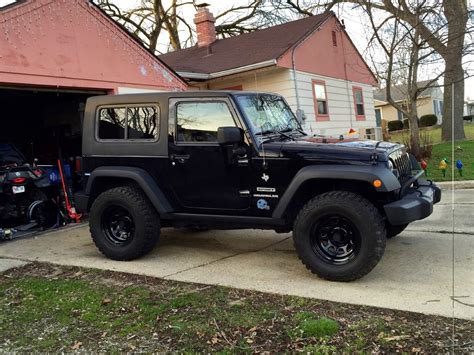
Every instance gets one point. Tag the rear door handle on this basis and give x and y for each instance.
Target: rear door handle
(180, 158)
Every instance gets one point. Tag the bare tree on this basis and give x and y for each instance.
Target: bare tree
(152, 21)
(443, 25)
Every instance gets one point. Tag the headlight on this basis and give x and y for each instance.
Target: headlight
(392, 168)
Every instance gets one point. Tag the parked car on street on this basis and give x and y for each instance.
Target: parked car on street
(235, 160)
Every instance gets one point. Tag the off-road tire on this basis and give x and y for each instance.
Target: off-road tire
(144, 215)
(363, 215)
(393, 231)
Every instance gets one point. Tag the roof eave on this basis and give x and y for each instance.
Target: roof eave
(219, 74)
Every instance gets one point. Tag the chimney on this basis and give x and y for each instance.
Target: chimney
(206, 31)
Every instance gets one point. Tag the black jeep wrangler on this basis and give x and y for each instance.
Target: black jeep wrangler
(234, 160)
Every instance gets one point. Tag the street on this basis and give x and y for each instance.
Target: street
(419, 271)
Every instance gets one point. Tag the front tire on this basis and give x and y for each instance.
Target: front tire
(123, 223)
(339, 235)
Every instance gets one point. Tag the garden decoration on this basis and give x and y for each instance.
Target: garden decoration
(459, 166)
(424, 166)
(443, 164)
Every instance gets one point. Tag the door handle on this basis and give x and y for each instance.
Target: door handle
(180, 158)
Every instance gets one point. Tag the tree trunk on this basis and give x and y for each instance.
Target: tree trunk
(414, 131)
(456, 15)
(454, 75)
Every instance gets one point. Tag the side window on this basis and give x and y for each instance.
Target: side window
(129, 122)
(199, 121)
(112, 122)
(142, 122)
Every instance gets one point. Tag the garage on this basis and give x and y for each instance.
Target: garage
(41, 122)
(55, 54)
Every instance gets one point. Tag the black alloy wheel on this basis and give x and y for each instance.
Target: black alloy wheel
(118, 225)
(335, 238)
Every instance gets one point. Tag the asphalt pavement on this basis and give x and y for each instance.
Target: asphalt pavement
(428, 268)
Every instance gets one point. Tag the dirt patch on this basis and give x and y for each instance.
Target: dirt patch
(45, 307)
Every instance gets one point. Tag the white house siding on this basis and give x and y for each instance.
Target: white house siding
(339, 92)
(340, 106)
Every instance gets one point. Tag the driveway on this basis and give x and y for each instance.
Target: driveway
(419, 272)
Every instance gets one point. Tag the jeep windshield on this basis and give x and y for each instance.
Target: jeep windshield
(268, 115)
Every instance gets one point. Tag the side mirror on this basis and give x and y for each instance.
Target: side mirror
(229, 135)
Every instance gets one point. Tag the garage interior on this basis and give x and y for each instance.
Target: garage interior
(41, 122)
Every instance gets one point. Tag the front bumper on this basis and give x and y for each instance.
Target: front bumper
(416, 204)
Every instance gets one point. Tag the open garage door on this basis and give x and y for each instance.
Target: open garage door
(41, 121)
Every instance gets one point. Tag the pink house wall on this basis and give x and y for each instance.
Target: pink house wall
(318, 55)
(70, 43)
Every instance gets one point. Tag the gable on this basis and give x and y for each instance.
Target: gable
(74, 42)
(318, 55)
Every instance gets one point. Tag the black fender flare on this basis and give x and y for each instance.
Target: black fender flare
(365, 173)
(141, 177)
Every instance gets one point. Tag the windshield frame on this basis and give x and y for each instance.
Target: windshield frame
(257, 134)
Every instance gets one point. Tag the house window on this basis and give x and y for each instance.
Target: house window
(320, 100)
(334, 38)
(199, 121)
(358, 103)
(128, 123)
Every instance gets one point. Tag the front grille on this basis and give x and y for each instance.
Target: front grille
(401, 162)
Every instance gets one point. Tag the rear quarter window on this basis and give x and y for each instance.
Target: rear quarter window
(128, 123)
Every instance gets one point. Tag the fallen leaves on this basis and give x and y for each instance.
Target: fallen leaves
(76, 345)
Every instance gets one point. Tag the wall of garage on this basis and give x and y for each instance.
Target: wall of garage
(73, 44)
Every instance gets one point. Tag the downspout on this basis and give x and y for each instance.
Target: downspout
(350, 94)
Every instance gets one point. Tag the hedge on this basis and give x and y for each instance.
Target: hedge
(394, 125)
(428, 120)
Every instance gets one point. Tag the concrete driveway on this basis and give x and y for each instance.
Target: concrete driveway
(420, 271)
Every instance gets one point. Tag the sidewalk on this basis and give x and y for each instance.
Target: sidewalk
(448, 185)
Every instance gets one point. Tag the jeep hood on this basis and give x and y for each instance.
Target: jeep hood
(314, 149)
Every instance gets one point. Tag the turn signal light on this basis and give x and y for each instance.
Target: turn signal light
(377, 183)
(19, 180)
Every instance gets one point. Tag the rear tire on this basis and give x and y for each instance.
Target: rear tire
(123, 223)
(393, 231)
(339, 235)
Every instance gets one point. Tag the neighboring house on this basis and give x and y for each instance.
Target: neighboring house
(54, 54)
(312, 62)
(468, 108)
(430, 101)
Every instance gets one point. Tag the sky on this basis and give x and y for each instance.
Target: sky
(355, 27)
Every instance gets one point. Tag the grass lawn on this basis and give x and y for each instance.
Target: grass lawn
(443, 150)
(45, 308)
(435, 133)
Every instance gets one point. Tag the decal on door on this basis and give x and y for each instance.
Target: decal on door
(265, 177)
(266, 189)
(263, 204)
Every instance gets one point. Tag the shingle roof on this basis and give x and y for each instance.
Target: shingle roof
(400, 92)
(246, 49)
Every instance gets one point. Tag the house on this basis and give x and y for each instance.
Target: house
(54, 54)
(312, 62)
(430, 101)
(468, 109)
